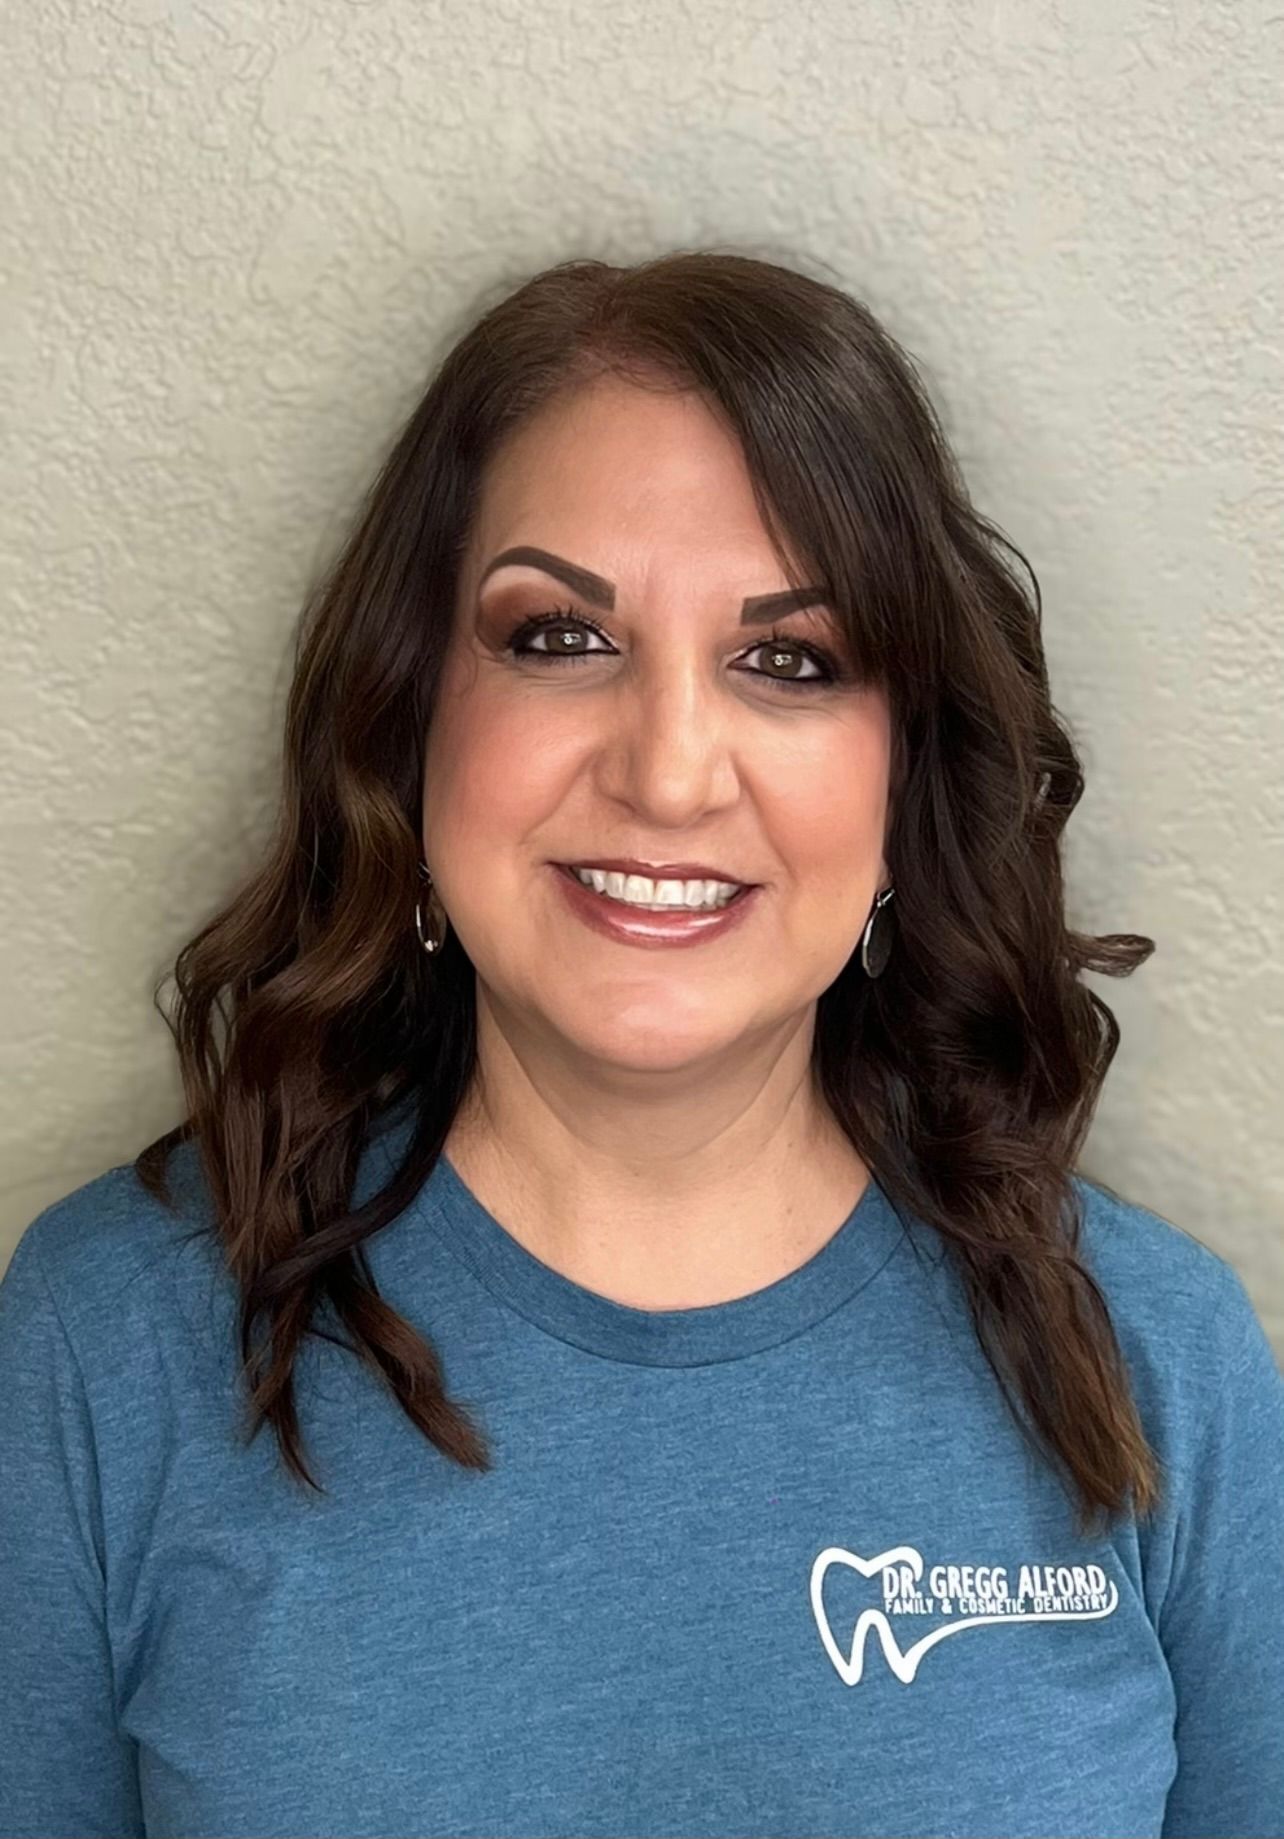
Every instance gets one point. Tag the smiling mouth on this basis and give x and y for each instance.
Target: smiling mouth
(667, 907)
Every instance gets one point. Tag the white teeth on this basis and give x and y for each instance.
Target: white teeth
(642, 891)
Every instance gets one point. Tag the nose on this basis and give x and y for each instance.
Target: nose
(669, 748)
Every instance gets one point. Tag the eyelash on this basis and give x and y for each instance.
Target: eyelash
(564, 616)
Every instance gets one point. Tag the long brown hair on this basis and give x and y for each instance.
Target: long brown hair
(965, 1076)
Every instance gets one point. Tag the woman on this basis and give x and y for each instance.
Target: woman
(631, 1122)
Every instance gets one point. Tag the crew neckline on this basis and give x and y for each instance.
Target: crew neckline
(848, 1260)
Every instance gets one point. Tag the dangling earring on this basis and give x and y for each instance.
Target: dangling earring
(441, 924)
(876, 940)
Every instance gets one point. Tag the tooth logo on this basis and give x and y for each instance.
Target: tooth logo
(1048, 1587)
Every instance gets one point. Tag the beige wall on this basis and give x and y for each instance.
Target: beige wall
(235, 234)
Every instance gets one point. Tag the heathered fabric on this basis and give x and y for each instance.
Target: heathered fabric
(780, 1566)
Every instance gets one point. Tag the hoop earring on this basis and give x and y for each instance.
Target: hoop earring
(876, 939)
(437, 939)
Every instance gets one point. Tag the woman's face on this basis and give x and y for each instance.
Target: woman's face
(676, 737)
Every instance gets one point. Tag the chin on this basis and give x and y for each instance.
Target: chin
(649, 1037)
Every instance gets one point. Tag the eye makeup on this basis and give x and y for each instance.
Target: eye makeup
(519, 646)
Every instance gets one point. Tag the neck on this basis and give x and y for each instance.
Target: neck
(662, 1188)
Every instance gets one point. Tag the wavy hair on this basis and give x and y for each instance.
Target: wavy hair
(965, 1076)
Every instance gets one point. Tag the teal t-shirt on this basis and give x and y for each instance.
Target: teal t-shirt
(779, 1566)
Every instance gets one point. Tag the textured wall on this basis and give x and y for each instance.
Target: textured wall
(236, 235)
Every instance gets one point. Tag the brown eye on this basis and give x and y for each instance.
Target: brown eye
(779, 646)
(560, 625)
(565, 629)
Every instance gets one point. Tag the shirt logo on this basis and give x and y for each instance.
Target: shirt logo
(970, 1595)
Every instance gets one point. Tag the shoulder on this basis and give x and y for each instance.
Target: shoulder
(1184, 1318)
(100, 1249)
(1140, 1251)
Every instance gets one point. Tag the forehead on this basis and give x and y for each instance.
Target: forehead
(611, 467)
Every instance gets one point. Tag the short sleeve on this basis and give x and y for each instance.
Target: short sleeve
(1221, 1623)
(65, 1769)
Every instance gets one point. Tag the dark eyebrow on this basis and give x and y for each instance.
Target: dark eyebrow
(600, 592)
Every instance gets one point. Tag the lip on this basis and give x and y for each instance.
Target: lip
(634, 926)
(658, 871)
